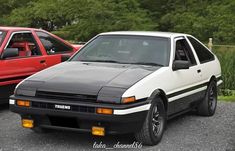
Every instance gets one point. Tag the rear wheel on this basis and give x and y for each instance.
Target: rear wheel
(208, 106)
(153, 127)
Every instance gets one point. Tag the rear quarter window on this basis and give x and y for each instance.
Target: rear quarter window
(52, 44)
(204, 55)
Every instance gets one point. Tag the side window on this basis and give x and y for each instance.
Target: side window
(53, 45)
(2, 36)
(184, 52)
(204, 55)
(25, 44)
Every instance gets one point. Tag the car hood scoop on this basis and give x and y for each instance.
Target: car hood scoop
(88, 78)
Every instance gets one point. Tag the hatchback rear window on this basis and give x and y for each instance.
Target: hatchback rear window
(2, 36)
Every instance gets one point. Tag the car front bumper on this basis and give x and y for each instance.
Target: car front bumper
(82, 116)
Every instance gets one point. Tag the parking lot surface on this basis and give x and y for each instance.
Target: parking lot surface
(186, 132)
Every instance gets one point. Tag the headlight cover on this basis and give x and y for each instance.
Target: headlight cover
(27, 88)
(110, 94)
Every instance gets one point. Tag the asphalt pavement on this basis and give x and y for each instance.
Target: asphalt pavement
(187, 132)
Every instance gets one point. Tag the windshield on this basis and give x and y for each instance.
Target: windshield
(145, 50)
(2, 35)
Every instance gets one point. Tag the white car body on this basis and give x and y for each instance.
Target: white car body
(125, 90)
(169, 81)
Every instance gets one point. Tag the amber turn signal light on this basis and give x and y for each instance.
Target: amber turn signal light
(104, 111)
(23, 103)
(98, 131)
(128, 99)
(27, 123)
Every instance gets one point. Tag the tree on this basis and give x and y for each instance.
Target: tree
(108, 15)
(7, 6)
(83, 19)
(202, 19)
(46, 14)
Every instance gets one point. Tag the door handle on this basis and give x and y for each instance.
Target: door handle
(199, 70)
(42, 61)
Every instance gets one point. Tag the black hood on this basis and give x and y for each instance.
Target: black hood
(87, 78)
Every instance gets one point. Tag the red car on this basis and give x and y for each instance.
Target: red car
(25, 51)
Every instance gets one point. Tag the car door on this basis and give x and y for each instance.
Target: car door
(184, 81)
(53, 47)
(28, 61)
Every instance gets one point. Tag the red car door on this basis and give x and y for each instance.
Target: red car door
(53, 47)
(28, 61)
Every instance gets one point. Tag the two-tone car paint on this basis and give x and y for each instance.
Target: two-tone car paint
(107, 84)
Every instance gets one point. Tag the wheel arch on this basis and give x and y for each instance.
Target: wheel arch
(159, 93)
(212, 78)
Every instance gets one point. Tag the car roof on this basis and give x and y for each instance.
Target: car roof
(145, 33)
(17, 28)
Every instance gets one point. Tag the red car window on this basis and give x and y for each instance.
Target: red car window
(23, 48)
(25, 43)
(2, 36)
(53, 45)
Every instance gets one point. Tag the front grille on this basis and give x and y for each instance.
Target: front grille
(75, 108)
(66, 96)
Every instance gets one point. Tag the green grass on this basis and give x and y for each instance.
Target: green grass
(227, 98)
(226, 95)
(226, 55)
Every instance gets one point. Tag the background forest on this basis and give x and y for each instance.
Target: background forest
(80, 20)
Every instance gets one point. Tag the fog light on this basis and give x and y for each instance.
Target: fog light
(98, 131)
(23, 103)
(26, 123)
(104, 111)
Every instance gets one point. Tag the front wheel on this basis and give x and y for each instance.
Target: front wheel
(208, 105)
(153, 127)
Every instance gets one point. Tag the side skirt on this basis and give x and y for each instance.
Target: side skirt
(178, 114)
(185, 104)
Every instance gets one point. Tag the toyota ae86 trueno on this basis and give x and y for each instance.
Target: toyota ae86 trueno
(122, 82)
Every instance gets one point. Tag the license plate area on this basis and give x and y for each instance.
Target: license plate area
(70, 122)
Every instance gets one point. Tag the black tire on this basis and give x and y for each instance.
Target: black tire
(153, 127)
(208, 105)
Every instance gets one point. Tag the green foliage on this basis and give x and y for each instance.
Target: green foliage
(81, 19)
(226, 55)
(7, 6)
(203, 19)
(46, 14)
(109, 15)
(227, 92)
(227, 98)
(85, 18)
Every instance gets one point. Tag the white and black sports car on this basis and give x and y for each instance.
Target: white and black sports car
(122, 82)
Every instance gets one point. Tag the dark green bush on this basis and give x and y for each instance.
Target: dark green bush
(226, 92)
(226, 55)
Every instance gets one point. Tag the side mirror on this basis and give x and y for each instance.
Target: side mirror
(10, 52)
(180, 64)
(65, 58)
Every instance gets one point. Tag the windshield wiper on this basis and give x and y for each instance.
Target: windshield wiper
(112, 61)
(148, 63)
